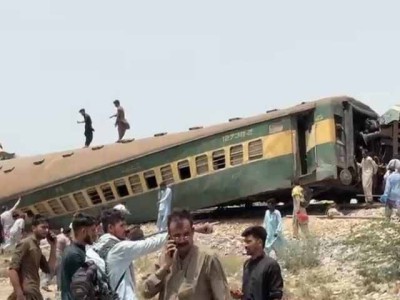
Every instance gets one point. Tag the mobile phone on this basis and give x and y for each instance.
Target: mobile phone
(171, 253)
(50, 237)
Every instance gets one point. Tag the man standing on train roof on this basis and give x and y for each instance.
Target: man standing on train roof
(273, 225)
(164, 206)
(88, 127)
(121, 123)
(368, 169)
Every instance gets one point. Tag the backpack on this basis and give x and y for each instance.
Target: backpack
(86, 283)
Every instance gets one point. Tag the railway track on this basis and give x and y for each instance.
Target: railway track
(257, 211)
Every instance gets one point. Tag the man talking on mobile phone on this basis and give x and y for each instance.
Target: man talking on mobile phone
(28, 258)
(186, 271)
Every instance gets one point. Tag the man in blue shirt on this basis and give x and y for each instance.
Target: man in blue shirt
(273, 225)
(391, 196)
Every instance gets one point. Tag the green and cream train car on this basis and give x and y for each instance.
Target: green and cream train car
(239, 160)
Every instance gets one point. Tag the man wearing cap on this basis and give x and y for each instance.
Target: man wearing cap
(88, 127)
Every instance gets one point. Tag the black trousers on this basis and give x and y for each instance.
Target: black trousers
(89, 138)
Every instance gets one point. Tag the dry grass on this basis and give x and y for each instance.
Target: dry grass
(300, 255)
(376, 248)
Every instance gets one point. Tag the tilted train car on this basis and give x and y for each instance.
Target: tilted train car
(244, 159)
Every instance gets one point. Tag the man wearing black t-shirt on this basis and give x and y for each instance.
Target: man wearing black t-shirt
(88, 127)
(262, 278)
(74, 256)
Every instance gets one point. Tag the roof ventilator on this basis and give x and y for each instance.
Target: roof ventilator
(9, 170)
(127, 141)
(38, 162)
(68, 154)
(160, 134)
(196, 127)
(234, 119)
(97, 147)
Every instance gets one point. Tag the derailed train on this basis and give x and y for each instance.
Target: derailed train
(242, 160)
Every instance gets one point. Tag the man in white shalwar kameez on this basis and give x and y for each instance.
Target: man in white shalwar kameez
(164, 206)
(7, 221)
(369, 169)
(16, 231)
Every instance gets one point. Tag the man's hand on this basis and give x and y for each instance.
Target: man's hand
(51, 239)
(169, 254)
(20, 295)
(236, 294)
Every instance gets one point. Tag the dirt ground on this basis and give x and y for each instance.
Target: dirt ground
(335, 279)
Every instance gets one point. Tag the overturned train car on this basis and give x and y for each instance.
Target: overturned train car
(242, 160)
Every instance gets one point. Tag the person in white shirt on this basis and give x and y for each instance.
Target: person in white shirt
(120, 256)
(164, 206)
(7, 221)
(16, 231)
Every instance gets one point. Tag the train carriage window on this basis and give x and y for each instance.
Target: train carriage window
(184, 169)
(136, 185)
(41, 208)
(236, 155)
(107, 192)
(166, 174)
(201, 164)
(219, 159)
(80, 200)
(151, 180)
(55, 206)
(255, 150)
(93, 195)
(121, 187)
(67, 203)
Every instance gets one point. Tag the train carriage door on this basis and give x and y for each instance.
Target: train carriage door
(305, 138)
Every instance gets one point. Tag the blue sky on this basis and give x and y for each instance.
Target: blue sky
(177, 64)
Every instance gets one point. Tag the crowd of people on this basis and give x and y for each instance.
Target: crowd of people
(93, 266)
(94, 258)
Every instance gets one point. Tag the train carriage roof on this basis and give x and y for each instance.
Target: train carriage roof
(26, 174)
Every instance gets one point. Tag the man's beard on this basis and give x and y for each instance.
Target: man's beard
(88, 240)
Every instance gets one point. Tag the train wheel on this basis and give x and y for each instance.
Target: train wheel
(346, 177)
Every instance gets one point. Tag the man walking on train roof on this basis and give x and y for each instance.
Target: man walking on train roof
(164, 206)
(273, 225)
(121, 123)
(368, 169)
(88, 127)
